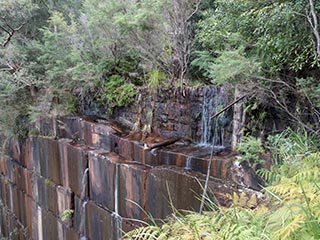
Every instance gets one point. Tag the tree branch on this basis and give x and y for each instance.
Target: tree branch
(195, 11)
(228, 106)
(10, 32)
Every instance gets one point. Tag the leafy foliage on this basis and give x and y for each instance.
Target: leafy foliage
(67, 214)
(250, 149)
(266, 47)
(155, 79)
(117, 92)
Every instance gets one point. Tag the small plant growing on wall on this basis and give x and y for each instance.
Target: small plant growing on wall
(67, 214)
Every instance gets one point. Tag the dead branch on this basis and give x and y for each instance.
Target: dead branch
(162, 144)
(194, 11)
(228, 106)
(10, 32)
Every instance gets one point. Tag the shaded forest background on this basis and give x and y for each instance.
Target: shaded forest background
(57, 56)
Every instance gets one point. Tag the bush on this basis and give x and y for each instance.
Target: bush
(154, 80)
(250, 149)
(117, 93)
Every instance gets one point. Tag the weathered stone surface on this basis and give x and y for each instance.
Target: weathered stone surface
(69, 127)
(15, 209)
(37, 231)
(68, 233)
(3, 190)
(47, 126)
(54, 165)
(3, 166)
(43, 156)
(126, 148)
(74, 160)
(102, 171)
(4, 231)
(105, 229)
(35, 154)
(169, 187)
(63, 150)
(30, 207)
(46, 158)
(10, 169)
(144, 155)
(79, 216)
(105, 133)
(87, 134)
(64, 202)
(42, 194)
(132, 195)
(166, 186)
(21, 152)
(9, 199)
(167, 158)
(49, 226)
(22, 177)
(28, 181)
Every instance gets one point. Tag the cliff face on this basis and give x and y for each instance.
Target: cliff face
(89, 178)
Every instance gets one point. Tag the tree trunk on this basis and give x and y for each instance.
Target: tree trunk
(238, 119)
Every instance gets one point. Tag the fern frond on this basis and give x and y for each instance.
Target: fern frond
(290, 228)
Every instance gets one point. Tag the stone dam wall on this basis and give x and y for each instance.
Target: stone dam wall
(101, 173)
(90, 178)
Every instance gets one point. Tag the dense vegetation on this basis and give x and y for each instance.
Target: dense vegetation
(58, 56)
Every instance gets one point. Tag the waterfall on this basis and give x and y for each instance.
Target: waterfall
(206, 122)
(212, 131)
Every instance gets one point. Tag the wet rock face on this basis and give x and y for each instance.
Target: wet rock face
(183, 115)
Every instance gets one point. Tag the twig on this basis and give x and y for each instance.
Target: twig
(207, 180)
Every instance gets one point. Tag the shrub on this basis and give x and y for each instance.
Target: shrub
(117, 93)
(250, 149)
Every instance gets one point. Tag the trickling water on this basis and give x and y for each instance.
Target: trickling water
(83, 219)
(39, 225)
(188, 163)
(116, 190)
(84, 184)
(117, 221)
(212, 129)
(83, 197)
(116, 217)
